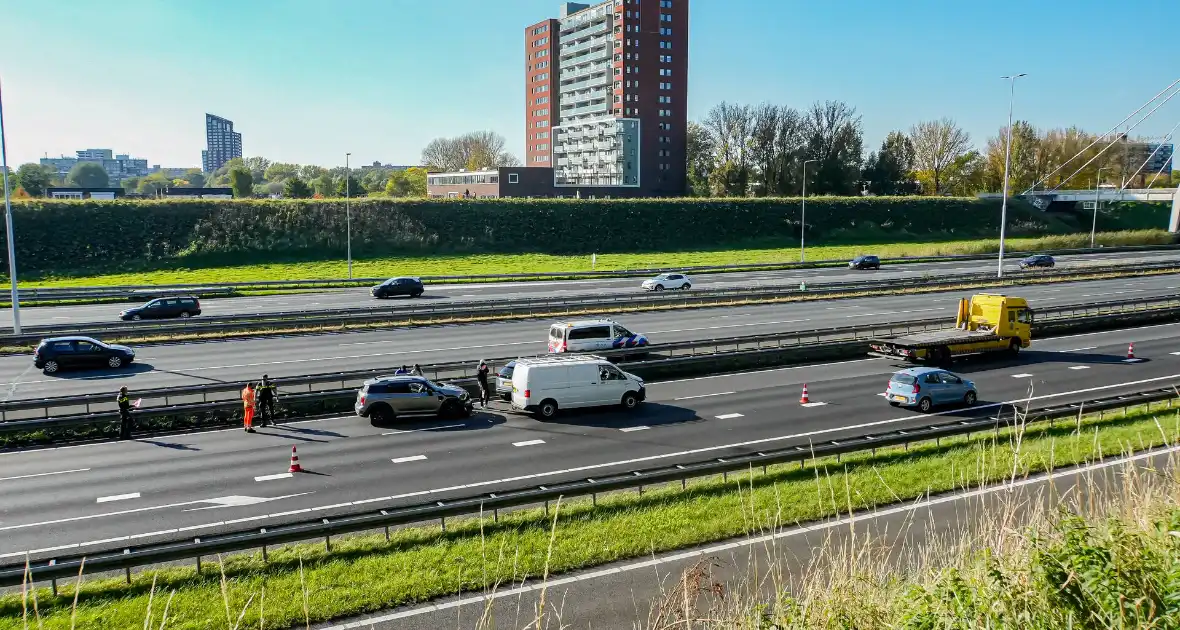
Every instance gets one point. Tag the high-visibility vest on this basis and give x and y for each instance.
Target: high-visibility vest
(248, 397)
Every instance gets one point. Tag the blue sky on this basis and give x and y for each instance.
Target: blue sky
(308, 80)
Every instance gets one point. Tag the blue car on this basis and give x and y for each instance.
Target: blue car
(925, 387)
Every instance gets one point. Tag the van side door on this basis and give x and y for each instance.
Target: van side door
(612, 385)
(584, 386)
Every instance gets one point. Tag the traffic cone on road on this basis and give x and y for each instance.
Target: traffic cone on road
(803, 400)
(295, 467)
(1131, 350)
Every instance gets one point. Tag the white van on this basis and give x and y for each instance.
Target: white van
(544, 385)
(591, 335)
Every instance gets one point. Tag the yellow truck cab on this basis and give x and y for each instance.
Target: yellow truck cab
(986, 322)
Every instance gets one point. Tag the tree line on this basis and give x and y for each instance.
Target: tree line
(760, 150)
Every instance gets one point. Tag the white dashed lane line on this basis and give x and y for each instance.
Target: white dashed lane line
(729, 416)
(630, 429)
(1080, 367)
(528, 443)
(705, 395)
(45, 474)
(1021, 375)
(285, 475)
(412, 458)
(118, 497)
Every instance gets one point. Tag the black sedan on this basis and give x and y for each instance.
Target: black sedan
(398, 286)
(1039, 260)
(59, 353)
(865, 262)
(164, 308)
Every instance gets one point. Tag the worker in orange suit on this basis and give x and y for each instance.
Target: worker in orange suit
(248, 408)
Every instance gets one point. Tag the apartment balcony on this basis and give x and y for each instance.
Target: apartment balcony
(593, 108)
(593, 81)
(589, 44)
(600, 93)
(590, 69)
(597, 26)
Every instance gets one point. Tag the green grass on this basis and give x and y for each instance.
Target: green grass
(366, 573)
(176, 271)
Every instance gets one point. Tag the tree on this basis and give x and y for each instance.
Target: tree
(890, 170)
(257, 166)
(88, 175)
(937, 144)
(34, 178)
(408, 183)
(324, 185)
(473, 151)
(699, 151)
(729, 125)
(153, 184)
(354, 187)
(194, 177)
(836, 143)
(295, 188)
(308, 172)
(1026, 162)
(281, 172)
(241, 181)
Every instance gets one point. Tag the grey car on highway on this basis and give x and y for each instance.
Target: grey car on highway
(386, 398)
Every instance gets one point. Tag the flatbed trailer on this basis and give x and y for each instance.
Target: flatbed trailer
(986, 323)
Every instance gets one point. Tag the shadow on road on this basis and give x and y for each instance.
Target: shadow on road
(480, 419)
(646, 415)
(106, 373)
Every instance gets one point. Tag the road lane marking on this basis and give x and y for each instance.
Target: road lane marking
(782, 369)
(721, 549)
(567, 471)
(412, 458)
(743, 325)
(118, 497)
(1079, 367)
(704, 395)
(45, 474)
(813, 404)
(1021, 375)
(285, 475)
(528, 443)
(1079, 349)
(630, 429)
(729, 416)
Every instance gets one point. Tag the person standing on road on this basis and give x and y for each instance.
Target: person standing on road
(124, 414)
(248, 408)
(401, 371)
(266, 401)
(481, 375)
(417, 371)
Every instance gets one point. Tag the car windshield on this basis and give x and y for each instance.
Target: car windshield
(904, 379)
(662, 276)
(389, 282)
(505, 372)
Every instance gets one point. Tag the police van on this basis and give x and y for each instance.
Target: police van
(592, 335)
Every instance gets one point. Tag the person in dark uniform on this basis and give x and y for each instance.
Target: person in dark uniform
(124, 414)
(481, 375)
(266, 401)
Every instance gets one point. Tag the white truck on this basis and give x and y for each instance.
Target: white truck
(545, 385)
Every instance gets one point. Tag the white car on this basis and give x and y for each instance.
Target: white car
(667, 281)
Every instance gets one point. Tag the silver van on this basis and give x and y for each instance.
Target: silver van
(386, 398)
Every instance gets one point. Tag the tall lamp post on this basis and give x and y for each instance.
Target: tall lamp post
(8, 224)
(348, 211)
(803, 215)
(1007, 159)
(1094, 222)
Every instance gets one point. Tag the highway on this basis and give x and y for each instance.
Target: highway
(351, 298)
(233, 361)
(185, 485)
(624, 594)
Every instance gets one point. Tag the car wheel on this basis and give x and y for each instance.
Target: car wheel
(969, 399)
(506, 397)
(185, 315)
(630, 401)
(380, 414)
(136, 318)
(51, 367)
(659, 287)
(925, 405)
(547, 409)
(416, 295)
(449, 409)
(115, 362)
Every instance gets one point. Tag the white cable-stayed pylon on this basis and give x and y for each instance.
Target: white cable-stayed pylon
(1112, 142)
(1097, 139)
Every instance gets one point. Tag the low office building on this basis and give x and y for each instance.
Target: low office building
(83, 193)
(199, 193)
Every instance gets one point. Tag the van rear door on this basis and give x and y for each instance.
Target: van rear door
(557, 338)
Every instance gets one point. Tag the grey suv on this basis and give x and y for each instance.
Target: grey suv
(386, 398)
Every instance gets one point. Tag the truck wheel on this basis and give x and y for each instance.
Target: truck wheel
(1014, 347)
(925, 405)
(944, 356)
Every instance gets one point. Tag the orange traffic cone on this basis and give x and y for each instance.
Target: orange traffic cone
(295, 467)
(803, 400)
(1131, 350)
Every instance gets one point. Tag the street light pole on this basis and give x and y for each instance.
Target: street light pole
(1094, 222)
(348, 210)
(803, 215)
(1007, 159)
(8, 225)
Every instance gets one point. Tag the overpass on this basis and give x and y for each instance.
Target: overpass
(1042, 199)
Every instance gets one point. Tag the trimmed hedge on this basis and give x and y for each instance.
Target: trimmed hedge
(53, 235)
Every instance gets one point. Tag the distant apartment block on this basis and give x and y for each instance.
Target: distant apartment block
(222, 143)
(607, 90)
(117, 166)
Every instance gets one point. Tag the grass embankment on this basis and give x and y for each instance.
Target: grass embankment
(181, 272)
(367, 573)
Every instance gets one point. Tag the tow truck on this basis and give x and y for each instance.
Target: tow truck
(984, 323)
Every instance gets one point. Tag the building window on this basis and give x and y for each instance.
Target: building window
(665, 4)
(513, 178)
(664, 17)
(665, 72)
(665, 112)
(665, 99)
(665, 86)
(665, 45)
(665, 58)
(665, 30)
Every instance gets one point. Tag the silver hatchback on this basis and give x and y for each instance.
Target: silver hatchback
(389, 397)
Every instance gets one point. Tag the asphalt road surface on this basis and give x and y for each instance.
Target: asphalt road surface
(170, 487)
(236, 361)
(351, 298)
(626, 594)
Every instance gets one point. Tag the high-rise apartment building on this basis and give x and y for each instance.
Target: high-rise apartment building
(607, 89)
(222, 143)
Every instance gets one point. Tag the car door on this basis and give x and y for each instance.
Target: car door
(933, 386)
(611, 385)
(621, 337)
(152, 309)
(171, 308)
(598, 337)
(88, 355)
(953, 389)
(423, 399)
(63, 353)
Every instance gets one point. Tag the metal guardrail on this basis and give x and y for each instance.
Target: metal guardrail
(70, 411)
(144, 291)
(126, 557)
(517, 307)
